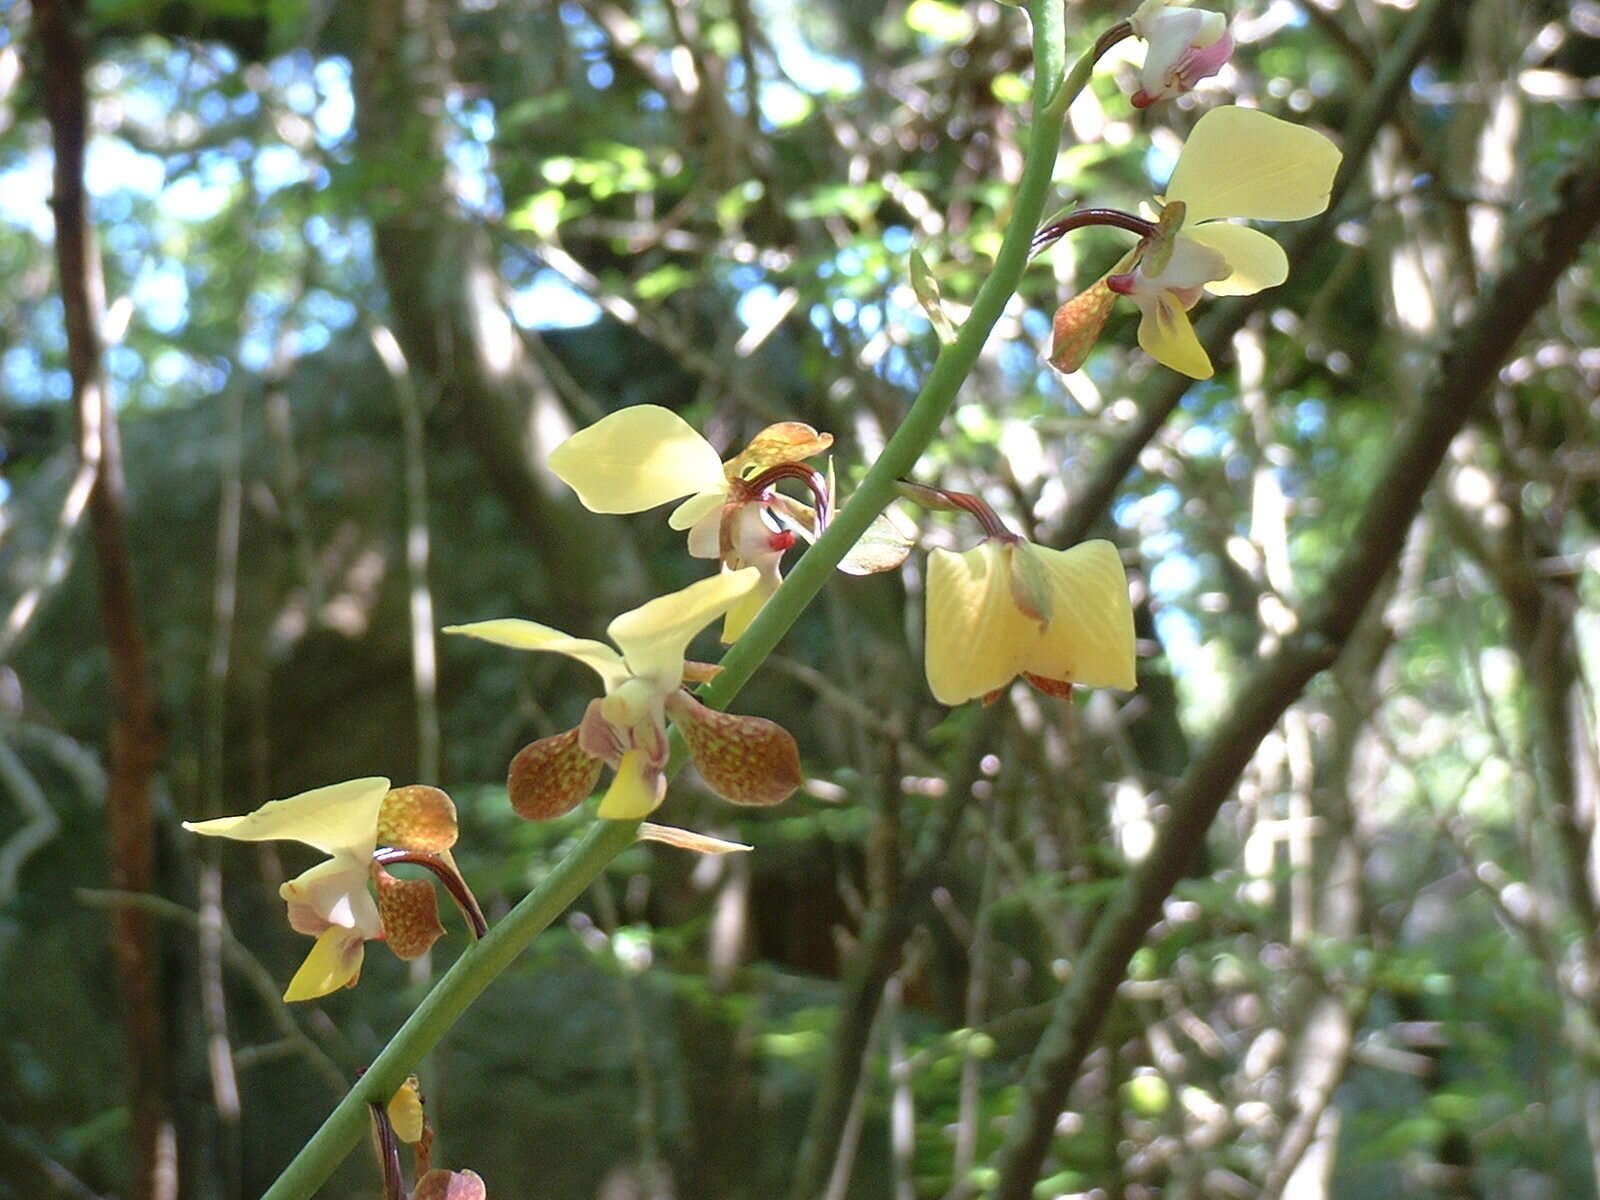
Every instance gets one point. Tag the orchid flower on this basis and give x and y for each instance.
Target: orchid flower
(1186, 46)
(331, 901)
(403, 1122)
(747, 760)
(1058, 618)
(645, 455)
(1237, 162)
(1008, 607)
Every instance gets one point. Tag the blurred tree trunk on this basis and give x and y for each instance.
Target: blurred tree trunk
(134, 743)
(449, 305)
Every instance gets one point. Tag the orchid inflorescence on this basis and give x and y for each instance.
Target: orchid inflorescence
(1004, 608)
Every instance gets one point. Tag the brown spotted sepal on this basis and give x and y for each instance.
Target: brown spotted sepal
(551, 777)
(1077, 324)
(746, 760)
(409, 910)
(417, 817)
(450, 1185)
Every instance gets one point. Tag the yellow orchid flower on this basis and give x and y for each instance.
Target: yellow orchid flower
(1186, 45)
(1008, 607)
(645, 455)
(744, 759)
(403, 1122)
(332, 901)
(1238, 162)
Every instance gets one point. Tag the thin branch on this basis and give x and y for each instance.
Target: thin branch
(134, 743)
(1466, 369)
(249, 967)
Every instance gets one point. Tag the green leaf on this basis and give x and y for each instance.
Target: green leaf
(929, 296)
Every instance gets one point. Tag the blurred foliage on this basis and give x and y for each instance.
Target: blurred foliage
(715, 207)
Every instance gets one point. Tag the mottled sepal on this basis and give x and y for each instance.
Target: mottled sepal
(410, 912)
(776, 445)
(417, 817)
(883, 547)
(747, 760)
(551, 777)
(1077, 324)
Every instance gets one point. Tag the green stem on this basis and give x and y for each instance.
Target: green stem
(457, 988)
(481, 964)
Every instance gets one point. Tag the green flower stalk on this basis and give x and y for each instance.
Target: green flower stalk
(604, 840)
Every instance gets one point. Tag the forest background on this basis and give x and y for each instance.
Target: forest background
(1326, 884)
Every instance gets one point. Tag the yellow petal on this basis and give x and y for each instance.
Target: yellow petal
(342, 817)
(530, 635)
(405, 1112)
(635, 792)
(334, 962)
(1258, 262)
(1241, 162)
(976, 638)
(635, 459)
(654, 636)
(1167, 337)
(691, 510)
(1089, 640)
(746, 607)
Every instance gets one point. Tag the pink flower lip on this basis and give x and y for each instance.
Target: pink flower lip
(1122, 285)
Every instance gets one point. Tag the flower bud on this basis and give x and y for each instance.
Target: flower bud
(1186, 46)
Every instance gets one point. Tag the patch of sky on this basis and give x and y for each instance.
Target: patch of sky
(124, 364)
(1199, 441)
(307, 339)
(845, 310)
(202, 193)
(161, 296)
(255, 350)
(1035, 323)
(1158, 164)
(897, 239)
(810, 68)
(324, 308)
(850, 261)
(755, 306)
(336, 109)
(1311, 418)
(1179, 633)
(600, 75)
(277, 167)
(1173, 576)
(897, 368)
(550, 302)
(169, 368)
(112, 165)
(22, 374)
(652, 102)
(870, 319)
(24, 196)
